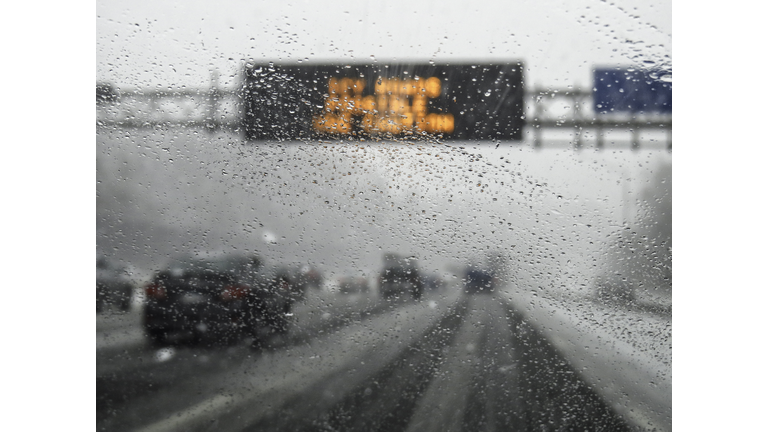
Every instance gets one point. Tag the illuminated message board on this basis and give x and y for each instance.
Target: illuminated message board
(450, 101)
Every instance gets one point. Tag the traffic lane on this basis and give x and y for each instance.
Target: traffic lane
(333, 310)
(327, 310)
(481, 369)
(240, 396)
(497, 375)
(382, 392)
(479, 384)
(127, 382)
(496, 402)
(471, 372)
(117, 328)
(111, 320)
(442, 406)
(385, 400)
(171, 376)
(624, 355)
(126, 338)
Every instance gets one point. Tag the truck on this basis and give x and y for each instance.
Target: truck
(399, 277)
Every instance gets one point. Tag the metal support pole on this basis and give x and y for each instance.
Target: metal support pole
(536, 121)
(152, 111)
(577, 116)
(599, 138)
(669, 140)
(635, 138)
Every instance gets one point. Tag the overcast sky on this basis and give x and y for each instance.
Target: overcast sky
(148, 44)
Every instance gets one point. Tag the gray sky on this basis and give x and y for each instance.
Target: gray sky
(147, 44)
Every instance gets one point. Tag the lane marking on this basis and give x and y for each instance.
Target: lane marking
(439, 409)
(184, 419)
(120, 339)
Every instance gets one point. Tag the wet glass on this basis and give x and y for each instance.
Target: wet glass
(384, 216)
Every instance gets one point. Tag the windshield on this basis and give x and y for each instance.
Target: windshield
(491, 181)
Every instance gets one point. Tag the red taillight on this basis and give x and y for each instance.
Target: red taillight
(155, 291)
(232, 292)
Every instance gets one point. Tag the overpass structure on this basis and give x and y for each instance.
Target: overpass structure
(553, 117)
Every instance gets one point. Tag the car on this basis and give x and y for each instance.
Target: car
(297, 281)
(222, 299)
(400, 276)
(479, 281)
(274, 299)
(106, 93)
(114, 290)
(309, 277)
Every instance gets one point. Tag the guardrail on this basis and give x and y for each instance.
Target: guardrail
(211, 109)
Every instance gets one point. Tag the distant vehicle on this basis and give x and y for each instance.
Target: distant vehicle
(400, 276)
(353, 285)
(309, 278)
(113, 287)
(301, 279)
(479, 281)
(226, 298)
(106, 93)
(281, 293)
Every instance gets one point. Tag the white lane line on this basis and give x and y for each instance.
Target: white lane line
(119, 331)
(178, 421)
(443, 404)
(120, 339)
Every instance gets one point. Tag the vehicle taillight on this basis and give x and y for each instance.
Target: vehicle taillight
(155, 291)
(232, 292)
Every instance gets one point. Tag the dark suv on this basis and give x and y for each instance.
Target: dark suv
(395, 281)
(478, 281)
(223, 299)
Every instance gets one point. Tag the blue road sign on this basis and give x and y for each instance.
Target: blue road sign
(631, 90)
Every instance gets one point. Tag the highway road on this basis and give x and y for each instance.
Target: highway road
(449, 362)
